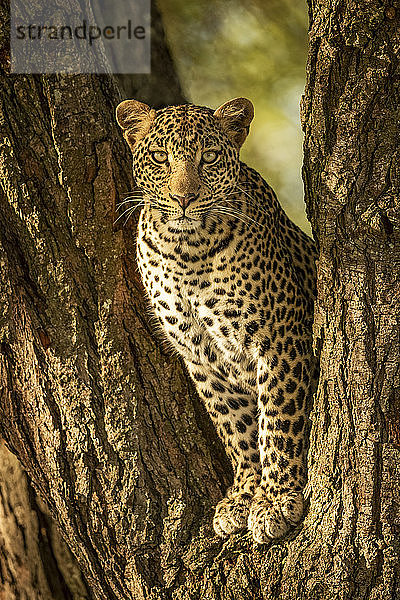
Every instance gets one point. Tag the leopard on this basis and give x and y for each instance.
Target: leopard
(230, 279)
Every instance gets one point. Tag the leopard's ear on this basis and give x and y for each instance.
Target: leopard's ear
(235, 117)
(135, 118)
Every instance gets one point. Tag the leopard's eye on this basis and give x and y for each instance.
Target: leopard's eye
(159, 156)
(209, 157)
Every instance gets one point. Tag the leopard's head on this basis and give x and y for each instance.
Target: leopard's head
(185, 158)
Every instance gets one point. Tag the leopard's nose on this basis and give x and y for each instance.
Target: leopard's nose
(185, 200)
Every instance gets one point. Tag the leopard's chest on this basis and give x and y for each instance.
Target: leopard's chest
(198, 303)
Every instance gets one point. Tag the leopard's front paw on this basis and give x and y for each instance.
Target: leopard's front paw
(231, 514)
(272, 518)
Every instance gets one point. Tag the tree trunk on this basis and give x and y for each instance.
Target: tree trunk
(35, 564)
(349, 547)
(105, 421)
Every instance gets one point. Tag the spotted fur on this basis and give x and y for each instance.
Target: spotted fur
(231, 282)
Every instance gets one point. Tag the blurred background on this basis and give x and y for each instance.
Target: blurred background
(252, 48)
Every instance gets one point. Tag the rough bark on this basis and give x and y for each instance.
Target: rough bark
(161, 86)
(350, 544)
(103, 418)
(35, 564)
(99, 415)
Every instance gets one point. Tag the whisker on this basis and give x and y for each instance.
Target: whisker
(222, 210)
(251, 201)
(132, 209)
(240, 213)
(126, 202)
(137, 200)
(244, 192)
(136, 189)
(218, 216)
(132, 197)
(249, 183)
(233, 217)
(252, 204)
(129, 216)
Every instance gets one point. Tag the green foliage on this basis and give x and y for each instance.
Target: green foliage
(256, 49)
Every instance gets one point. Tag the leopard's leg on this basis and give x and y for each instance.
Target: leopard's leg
(233, 411)
(284, 383)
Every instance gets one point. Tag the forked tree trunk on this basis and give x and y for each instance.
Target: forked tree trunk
(103, 418)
